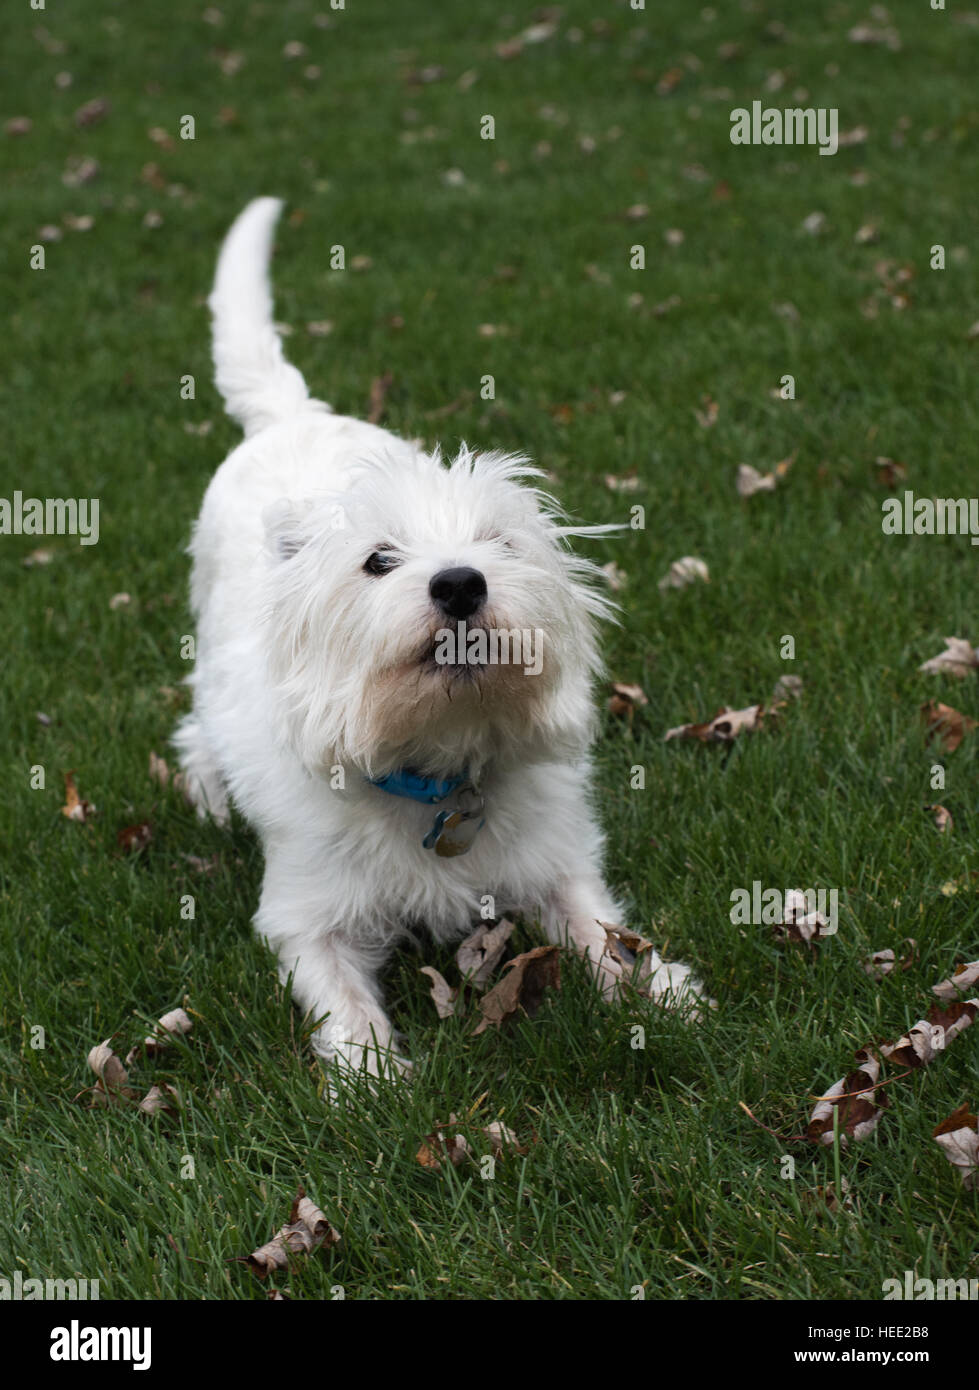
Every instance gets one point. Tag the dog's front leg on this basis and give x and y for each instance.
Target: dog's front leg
(333, 966)
(572, 917)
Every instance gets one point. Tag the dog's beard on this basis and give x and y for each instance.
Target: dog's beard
(444, 710)
(386, 698)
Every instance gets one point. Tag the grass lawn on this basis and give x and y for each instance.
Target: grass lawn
(642, 1168)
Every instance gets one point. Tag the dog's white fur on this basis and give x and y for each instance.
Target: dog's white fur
(313, 676)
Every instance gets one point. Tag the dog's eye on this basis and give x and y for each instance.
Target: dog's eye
(380, 562)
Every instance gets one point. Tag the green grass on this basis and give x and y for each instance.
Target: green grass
(645, 1171)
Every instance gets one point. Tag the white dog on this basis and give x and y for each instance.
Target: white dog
(391, 785)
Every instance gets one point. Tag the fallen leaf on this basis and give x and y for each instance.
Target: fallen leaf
(683, 572)
(522, 987)
(884, 35)
(480, 953)
(787, 688)
(112, 1084)
(132, 838)
(942, 818)
(854, 1098)
(962, 978)
(947, 724)
(502, 1139)
(890, 472)
(379, 389)
(443, 994)
(726, 725)
(174, 1024)
(825, 1196)
(37, 558)
(616, 577)
(798, 923)
(881, 963)
(159, 1098)
(749, 480)
(92, 112)
(306, 1230)
(437, 1146)
(958, 659)
(626, 699)
(930, 1036)
(627, 482)
(75, 807)
(958, 1137)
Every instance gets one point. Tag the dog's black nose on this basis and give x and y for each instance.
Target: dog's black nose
(458, 592)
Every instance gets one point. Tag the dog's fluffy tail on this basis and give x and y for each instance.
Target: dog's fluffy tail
(258, 385)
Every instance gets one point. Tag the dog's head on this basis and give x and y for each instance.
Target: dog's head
(432, 617)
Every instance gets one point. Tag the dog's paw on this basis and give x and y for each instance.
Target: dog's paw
(350, 1062)
(672, 985)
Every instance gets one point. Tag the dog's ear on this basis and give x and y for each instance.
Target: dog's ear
(284, 535)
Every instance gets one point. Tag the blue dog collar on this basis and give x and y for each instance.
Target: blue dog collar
(428, 790)
(453, 830)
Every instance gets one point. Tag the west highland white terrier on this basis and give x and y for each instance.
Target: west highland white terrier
(393, 683)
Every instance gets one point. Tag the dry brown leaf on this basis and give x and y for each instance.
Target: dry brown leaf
(502, 1139)
(627, 482)
(617, 578)
(825, 1197)
(380, 387)
(443, 994)
(961, 979)
(946, 724)
(522, 987)
(306, 1230)
(112, 1086)
(855, 1099)
(627, 948)
(725, 726)
(787, 688)
(42, 556)
(173, 1024)
(958, 659)
(890, 472)
(880, 964)
(749, 480)
(132, 838)
(160, 1098)
(160, 772)
(480, 953)
(92, 112)
(958, 1137)
(626, 699)
(75, 807)
(437, 1146)
(942, 817)
(683, 572)
(707, 417)
(798, 922)
(931, 1036)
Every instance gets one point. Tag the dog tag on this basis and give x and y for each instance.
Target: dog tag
(454, 831)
